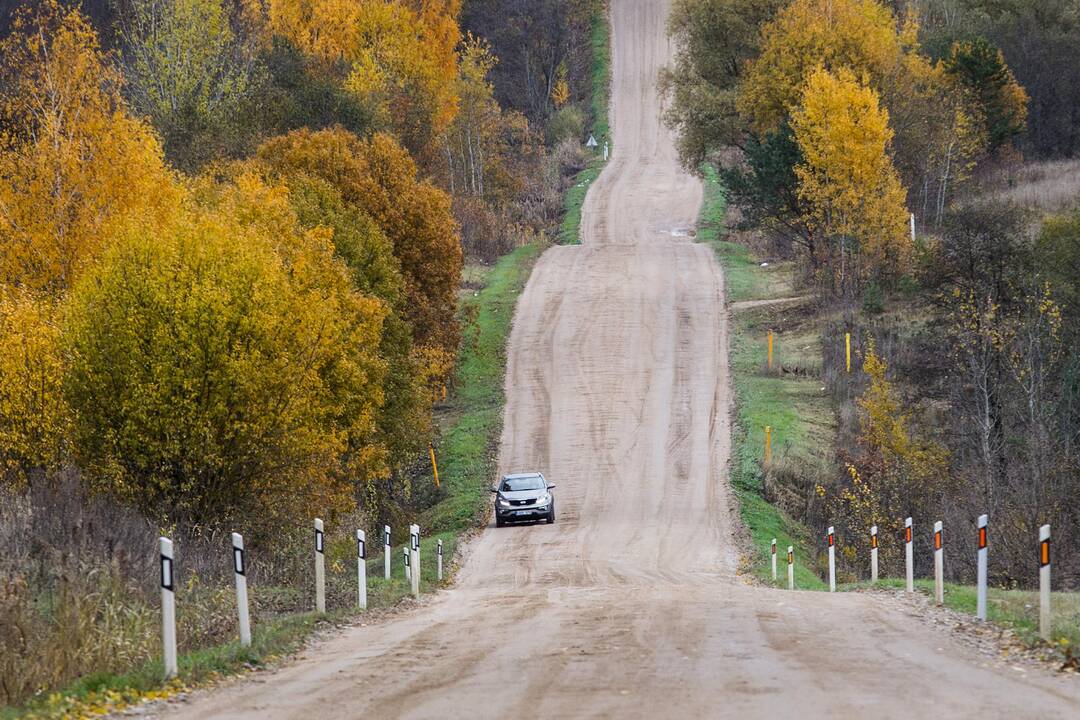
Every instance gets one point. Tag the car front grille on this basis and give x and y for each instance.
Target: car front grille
(518, 503)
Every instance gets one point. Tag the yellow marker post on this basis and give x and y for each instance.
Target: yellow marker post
(768, 445)
(847, 346)
(434, 465)
(770, 349)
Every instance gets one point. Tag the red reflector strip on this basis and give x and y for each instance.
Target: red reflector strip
(873, 541)
(907, 534)
(1044, 553)
(937, 541)
(830, 540)
(982, 538)
(790, 558)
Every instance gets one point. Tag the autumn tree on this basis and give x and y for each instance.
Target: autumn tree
(224, 364)
(187, 71)
(73, 161)
(400, 57)
(378, 177)
(847, 180)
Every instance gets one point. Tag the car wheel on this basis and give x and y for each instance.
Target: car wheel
(499, 522)
(551, 515)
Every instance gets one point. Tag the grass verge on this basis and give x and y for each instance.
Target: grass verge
(794, 407)
(1017, 610)
(570, 230)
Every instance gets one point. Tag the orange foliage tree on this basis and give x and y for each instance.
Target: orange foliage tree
(378, 177)
(73, 161)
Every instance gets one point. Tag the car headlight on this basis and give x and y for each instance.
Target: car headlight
(503, 502)
(544, 499)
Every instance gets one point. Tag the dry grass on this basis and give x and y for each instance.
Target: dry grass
(1050, 186)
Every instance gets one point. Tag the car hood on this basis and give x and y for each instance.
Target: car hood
(522, 494)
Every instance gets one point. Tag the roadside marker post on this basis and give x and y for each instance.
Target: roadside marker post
(909, 557)
(1044, 582)
(240, 571)
(605, 151)
(434, 464)
(320, 567)
(847, 349)
(768, 445)
(939, 565)
(386, 551)
(414, 561)
(980, 602)
(832, 560)
(405, 564)
(774, 559)
(770, 350)
(439, 562)
(790, 567)
(873, 554)
(361, 569)
(913, 227)
(168, 607)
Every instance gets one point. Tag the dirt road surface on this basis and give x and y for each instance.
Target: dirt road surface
(629, 607)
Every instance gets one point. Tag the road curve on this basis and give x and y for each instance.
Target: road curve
(617, 389)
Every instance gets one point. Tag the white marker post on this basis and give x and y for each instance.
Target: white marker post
(386, 551)
(1044, 582)
(168, 607)
(980, 602)
(361, 570)
(240, 571)
(790, 567)
(909, 557)
(405, 563)
(438, 566)
(320, 567)
(832, 560)
(774, 559)
(873, 554)
(913, 226)
(939, 566)
(605, 151)
(414, 561)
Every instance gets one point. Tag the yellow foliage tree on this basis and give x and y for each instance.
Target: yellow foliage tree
(401, 56)
(72, 160)
(223, 365)
(847, 179)
(33, 416)
(860, 35)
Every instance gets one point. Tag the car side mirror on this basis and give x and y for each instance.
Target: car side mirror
(494, 489)
(550, 487)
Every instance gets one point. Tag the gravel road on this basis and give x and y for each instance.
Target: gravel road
(629, 606)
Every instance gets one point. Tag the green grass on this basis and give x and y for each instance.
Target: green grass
(570, 230)
(794, 408)
(1015, 609)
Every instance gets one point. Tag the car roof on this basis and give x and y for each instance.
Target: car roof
(515, 476)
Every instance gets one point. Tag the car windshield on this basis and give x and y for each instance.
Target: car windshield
(531, 482)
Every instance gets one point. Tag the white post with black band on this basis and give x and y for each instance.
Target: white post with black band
(240, 572)
(1044, 582)
(873, 554)
(405, 563)
(414, 561)
(832, 559)
(939, 565)
(438, 570)
(909, 557)
(361, 569)
(320, 567)
(980, 592)
(773, 552)
(386, 551)
(168, 607)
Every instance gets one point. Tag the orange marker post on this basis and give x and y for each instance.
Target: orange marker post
(770, 350)
(847, 349)
(434, 465)
(768, 445)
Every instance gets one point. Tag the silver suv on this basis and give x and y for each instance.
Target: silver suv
(523, 496)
